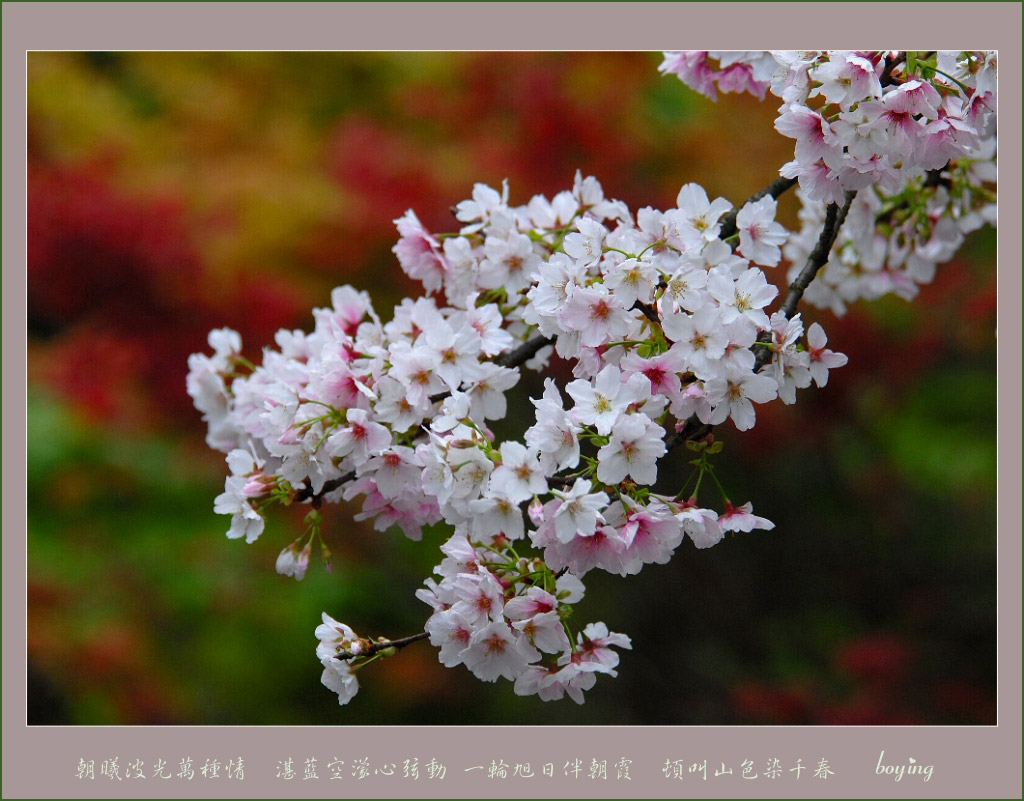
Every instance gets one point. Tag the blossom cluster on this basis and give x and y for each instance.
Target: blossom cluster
(917, 130)
(505, 615)
(664, 318)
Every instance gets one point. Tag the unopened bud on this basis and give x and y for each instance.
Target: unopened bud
(257, 485)
(536, 511)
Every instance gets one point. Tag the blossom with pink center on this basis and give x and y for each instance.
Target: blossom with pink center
(361, 437)
(603, 548)
(417, 370)
(519, 476)
(745, 296)
(742, 518)
(545, 632)
(693, 69)
(814, 136)
(946, 138)
(847, 78)
(595, 643)
(700, 524)
(486, 320)
(760, 235)
(734, 394)
(596, 314)
(631, 280)
(246, 521)
(651, 534)
(394, 471)
(579, 511)
(480, 595)
(693, 400)
(450, 631)
(599, 403)
(496, 650)
(496, 513)
(822, 359)
(685, 290)
(818, 181)
(554, 436)
(394, 406)
(534, 601)
(349, 308)
(457, 351)
(460, 557)
(551, 683)
(486, 390)
(661, 370)
(700, 213)
(508, 262)
(700, 338)
(419, 252)
(634, 447)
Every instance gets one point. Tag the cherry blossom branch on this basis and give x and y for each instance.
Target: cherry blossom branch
(512, 358)
(307, 494)
(381, 645)
(887, 78)
(834, 218)
(523, 353)
(775, 188)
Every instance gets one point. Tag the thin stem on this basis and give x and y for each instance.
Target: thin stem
(376, 647)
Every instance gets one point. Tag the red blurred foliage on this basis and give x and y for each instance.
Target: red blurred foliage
(872, 684)
(540, 128)
(964, 701)
(514, 117)
(879, 660)
(117, 288)
(758, 702)
(868, 707)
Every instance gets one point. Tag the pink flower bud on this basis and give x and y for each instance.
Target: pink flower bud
(293, 562)
(257, 485)
(536, 511)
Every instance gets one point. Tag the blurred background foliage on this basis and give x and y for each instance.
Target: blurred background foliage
(171, 193)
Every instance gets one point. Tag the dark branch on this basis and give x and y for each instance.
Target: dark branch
(888, 79)
(775, 188)
(380, 645)
(523, 353)
(306, 493)
(834, 218)
(648, 312)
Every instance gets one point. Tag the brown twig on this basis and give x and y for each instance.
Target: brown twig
(834, 218)
(523, 353)
(380, 645)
